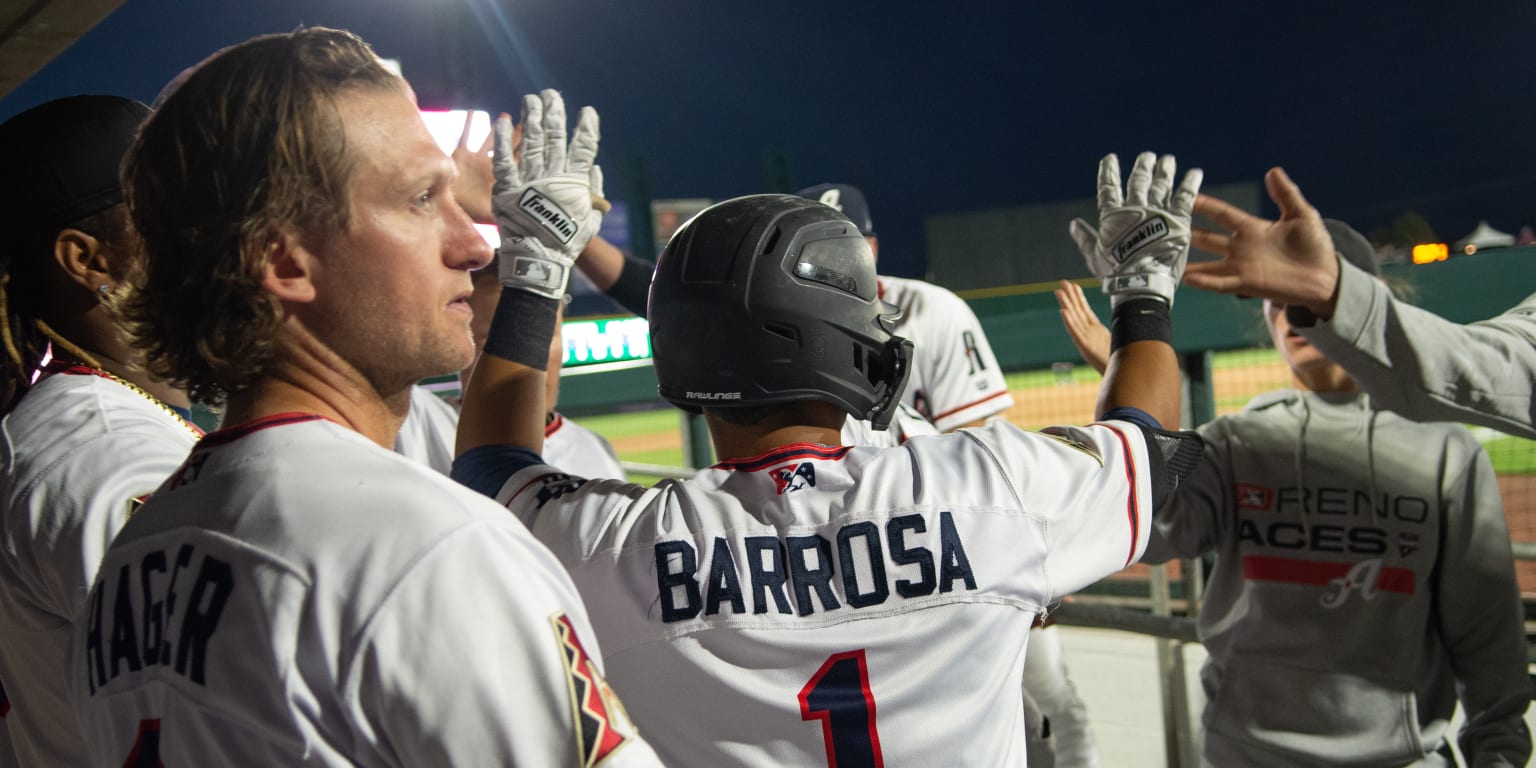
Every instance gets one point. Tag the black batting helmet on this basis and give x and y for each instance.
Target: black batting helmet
(772, 299)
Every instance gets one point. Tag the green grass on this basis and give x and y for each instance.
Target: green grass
(616, 425)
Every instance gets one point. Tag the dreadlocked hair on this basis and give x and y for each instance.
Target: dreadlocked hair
(25, 336)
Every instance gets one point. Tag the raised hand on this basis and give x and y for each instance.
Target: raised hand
(548, 202)
(1088, 334)
(472, 188)
(1142, 241)
(1290, 261)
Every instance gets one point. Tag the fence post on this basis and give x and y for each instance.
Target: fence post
(1199, 388)
(1178, 735)
(697, 449)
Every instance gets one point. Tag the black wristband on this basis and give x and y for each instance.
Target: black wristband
(522, 328)
(1139, 320)
(632, 288)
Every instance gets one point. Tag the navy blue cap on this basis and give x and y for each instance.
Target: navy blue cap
(60, 160)
(846, 198)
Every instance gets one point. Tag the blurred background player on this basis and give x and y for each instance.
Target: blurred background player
(567, 444)
(297, 593)
(955, 380)
(825, 603)
(1411, 361)
(1363, 579)
(88, 434)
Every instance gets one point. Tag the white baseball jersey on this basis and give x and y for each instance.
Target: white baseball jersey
(80, 451)
(955, 379)
(838, 606)
(579, 451)
(906, 423)
(296, 595)
(428, 433)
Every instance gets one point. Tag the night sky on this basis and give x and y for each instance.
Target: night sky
(1374, 107)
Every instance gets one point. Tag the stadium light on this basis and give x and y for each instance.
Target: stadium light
(1425, 253)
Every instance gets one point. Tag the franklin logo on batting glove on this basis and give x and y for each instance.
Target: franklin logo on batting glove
(1150, 232)
(553, 217)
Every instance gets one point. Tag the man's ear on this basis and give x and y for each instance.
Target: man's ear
(84, 260)
(290, 270)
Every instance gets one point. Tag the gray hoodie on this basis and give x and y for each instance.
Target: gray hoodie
(1363, 576)
(1427, 367)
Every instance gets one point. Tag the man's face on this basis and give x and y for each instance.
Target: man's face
(1293, 347)
(393, 289)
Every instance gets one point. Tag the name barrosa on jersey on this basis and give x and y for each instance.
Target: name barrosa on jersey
(794, 575)
(158, 611)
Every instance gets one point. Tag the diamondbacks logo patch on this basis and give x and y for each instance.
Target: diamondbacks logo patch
(602, 725)
(793, 477)
(1254, 497)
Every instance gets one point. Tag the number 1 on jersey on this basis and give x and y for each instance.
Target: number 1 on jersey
(838, 695)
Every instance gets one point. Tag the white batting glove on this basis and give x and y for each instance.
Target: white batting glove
(1142, 241)
(549, 202)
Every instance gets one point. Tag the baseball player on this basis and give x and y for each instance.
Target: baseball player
(297, 593)
(86, 435)
(955, 380)
(807, 603)
(1363, 579)
(627, 280)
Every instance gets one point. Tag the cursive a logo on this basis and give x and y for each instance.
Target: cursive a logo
(553, 217)
(1150, 231)
(1362, 577)
(713, 395)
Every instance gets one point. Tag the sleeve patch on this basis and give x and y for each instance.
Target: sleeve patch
(602, 726)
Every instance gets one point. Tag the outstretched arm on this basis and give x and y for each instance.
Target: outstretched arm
(1139, 251)
(1289, 261)
(547, 207)
(1410, 360)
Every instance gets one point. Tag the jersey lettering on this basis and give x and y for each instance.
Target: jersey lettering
(1318, 537)
(1342, 502)
(723, 583)
(868, 565)
(973, 356)
(140, 634)
(146, 748)
(839, 696)
(670, 579)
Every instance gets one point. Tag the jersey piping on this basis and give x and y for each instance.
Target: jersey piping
(792, 451)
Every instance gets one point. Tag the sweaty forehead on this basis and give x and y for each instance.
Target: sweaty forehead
(386, 140)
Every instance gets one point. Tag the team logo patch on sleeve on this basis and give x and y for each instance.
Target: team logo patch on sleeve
(602, 725)
(556, 485)
(793, 477)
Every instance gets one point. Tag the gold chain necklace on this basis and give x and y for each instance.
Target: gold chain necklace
(132, 387)
(89, 362)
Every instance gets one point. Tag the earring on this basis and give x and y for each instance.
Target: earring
(104, 288)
